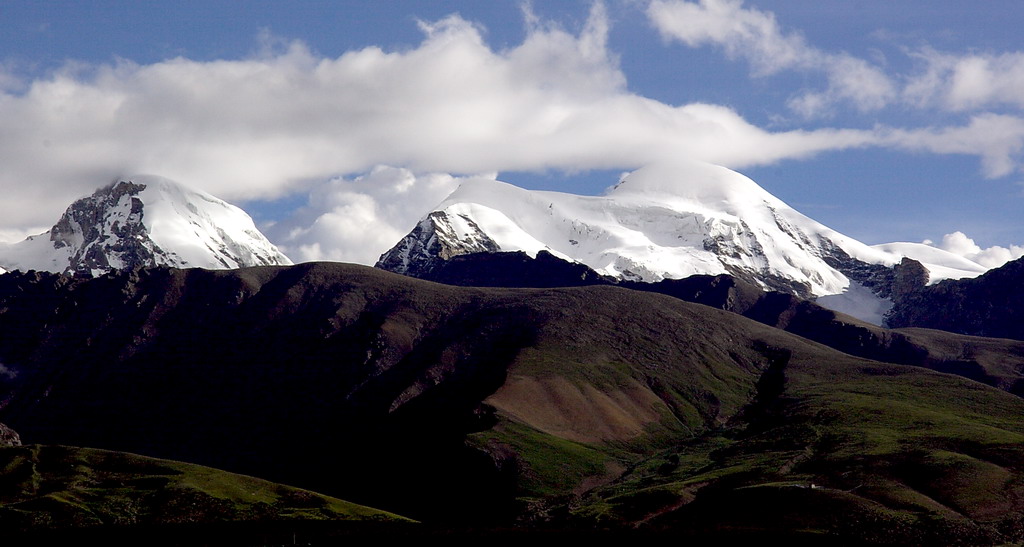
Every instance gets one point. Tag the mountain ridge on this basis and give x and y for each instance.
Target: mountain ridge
(999, 363)
(665, 221)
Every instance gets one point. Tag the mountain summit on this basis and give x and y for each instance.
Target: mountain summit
(146, 221)
(665, 221)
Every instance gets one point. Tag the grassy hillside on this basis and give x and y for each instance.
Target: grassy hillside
(580, 407)
(58, 487)
(746, 429)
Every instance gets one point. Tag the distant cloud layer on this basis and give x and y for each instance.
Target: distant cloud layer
(941, 80)
(959, 244)
(962, 84)
(289, 119)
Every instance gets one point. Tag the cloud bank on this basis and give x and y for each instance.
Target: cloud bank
(261, 127)
(355, 220)
(288, 119)
(255, 128)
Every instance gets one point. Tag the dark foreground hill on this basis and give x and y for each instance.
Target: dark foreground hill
(573, 408)
(58, 488)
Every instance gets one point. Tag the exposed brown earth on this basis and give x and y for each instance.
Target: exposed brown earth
(580, 413)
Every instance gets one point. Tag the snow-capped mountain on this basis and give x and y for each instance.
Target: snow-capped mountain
(147, 221)
(668, 220)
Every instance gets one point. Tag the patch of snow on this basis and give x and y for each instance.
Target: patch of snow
(34, 253)
(674, 220)
(858, 301)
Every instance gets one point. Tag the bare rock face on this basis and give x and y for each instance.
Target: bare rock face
(9, 437)
(989, 305)
(105, 231)
(911, 275)
(436, 239)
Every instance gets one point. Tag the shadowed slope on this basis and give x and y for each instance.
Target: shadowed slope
(480, 405)
(991, 304)
(997, 362)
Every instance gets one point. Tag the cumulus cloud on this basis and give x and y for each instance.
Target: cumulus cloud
(355, 220)
(959, 244)
(288, 119)
(756, 36)
(261, 127)
(742, 32)
(967, 82)
(949, 82)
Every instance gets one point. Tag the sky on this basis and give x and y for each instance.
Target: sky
(338, 124)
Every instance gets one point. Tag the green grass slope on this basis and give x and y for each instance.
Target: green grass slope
(54, 487)
(878, 453)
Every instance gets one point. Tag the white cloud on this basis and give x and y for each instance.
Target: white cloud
(288, 118)
(742, 32)
(261, 127)
(959, 244)
(756, 36)
(355, 220)
(967, 82)
(998, 139)
(957, 83)
(950, 82)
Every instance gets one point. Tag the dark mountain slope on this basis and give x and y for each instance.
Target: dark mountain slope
(989, 305)
(576, 406)
(997, 362)
(264, 370)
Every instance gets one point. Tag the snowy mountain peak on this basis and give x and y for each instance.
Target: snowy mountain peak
(145, 221)
(696, 183)
(669, 220)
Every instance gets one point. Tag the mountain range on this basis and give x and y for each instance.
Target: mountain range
(665, 221)
(558, 368)
(670, 221)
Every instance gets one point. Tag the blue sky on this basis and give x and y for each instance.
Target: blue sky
(888, 121)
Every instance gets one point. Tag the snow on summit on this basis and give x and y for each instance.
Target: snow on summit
(668, 220)
(144, 221)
